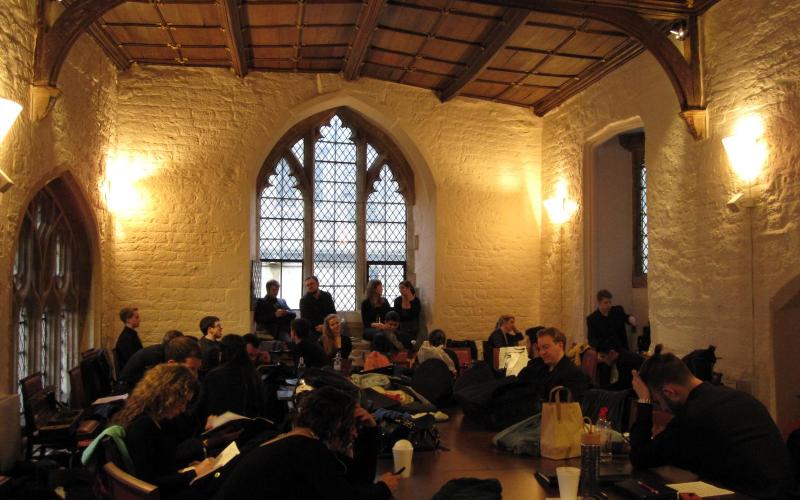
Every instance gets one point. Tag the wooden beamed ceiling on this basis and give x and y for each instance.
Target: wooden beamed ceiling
(532, 53)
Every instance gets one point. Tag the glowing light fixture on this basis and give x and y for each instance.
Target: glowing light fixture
(747, 148)
(123, 172)
(9, 111)
(560, 207)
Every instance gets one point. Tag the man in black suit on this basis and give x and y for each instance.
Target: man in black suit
(608, 321)
(128, 341)
(553, 368)
(315, 305)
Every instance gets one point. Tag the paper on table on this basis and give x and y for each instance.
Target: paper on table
(223, 419)
(222, 459)
(110, 399)
(700, 489)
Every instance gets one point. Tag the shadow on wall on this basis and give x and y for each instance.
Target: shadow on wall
(785, 311)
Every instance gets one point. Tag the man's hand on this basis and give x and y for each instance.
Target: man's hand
(378, 326)
(364, 418)
(391, 480)
(642, 391)
(279, 313)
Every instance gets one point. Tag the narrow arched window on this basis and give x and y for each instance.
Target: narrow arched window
(350, 191)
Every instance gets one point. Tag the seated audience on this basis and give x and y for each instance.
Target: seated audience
(303, 346)
(254, 352)
(622, 363)
(143, 360)
(272, 314)
(128, 342)
(374, 309)
(234, 385)
(315, 305)
(313, 461)
(530, 341)
(163, 393)
(553, 368)
(408, 307)
(721, 434)
(386, 340)
(434, 348)
(211, 328)
(333, 341)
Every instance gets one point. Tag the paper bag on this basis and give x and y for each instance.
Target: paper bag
(562, 424)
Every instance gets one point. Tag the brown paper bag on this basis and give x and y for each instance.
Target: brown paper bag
(562, 424)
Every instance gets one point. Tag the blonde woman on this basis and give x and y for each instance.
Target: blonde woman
(161, 395)
(332, 339)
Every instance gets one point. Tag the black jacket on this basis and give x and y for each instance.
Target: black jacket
(370, 314)
(154, 451)
(314, 310)
(265, 315)
(611, 326)
(312, 353)
(127, 344)
(139, 363)
(626, 362)
(564, 373)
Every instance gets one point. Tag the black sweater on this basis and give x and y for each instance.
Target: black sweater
(370, 314)
(127, 344)
(564, 373)
(301, 468)
(154, 453)
(723, 435)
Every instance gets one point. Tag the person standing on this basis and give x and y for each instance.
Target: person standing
(315, 305)
(211, 327)
(608, 322)
(128, 341)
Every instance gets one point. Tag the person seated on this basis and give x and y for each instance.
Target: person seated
(254, 352)
(163, 393)
(621, 362)
(386, 340)
(553, 368)
(234, 385)
(303, 346)
(408, 307)
(721, 434)
(374, 309)
(333, 342)
(313, 460)
(141, 361)
(434, 348)
(272, 314)
(505, 333)
(530, 341)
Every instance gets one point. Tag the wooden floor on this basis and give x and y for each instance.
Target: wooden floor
(470, 454)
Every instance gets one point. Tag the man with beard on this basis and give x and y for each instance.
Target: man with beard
(719, 433)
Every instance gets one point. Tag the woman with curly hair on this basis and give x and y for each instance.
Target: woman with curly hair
(332, 339)
(318, 458)
(161, 395)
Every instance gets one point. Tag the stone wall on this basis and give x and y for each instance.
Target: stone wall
(71, 139)
(700, 273)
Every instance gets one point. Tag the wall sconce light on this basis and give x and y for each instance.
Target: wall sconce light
(560, 207)
(747, 152)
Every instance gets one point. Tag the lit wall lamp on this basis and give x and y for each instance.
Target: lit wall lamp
(747, 152)
(9, 111)
(560, 207)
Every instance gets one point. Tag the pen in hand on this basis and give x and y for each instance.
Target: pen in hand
(647, 487)
(398, 472)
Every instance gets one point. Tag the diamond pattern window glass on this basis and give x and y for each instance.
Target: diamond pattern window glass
(335, 191)
(297, 149)
(644, 246)
(386, 221)
(372, 155)
(390, 275)
(22, 344)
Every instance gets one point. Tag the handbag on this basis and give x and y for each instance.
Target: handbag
(422, 432)
(562, 424)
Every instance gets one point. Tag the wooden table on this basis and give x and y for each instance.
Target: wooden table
(471, 454)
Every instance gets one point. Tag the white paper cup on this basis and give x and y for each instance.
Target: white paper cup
(568, 478)
(403, 452)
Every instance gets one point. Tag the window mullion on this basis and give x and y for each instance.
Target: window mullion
(308, 206)
(361, 214)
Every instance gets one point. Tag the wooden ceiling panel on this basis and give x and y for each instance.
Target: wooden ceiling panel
(383, 57)
(329, 52)
(432, 4)
(199, 36)
(405, 18)
(478, 9)
(139, 34)
(321, 65)
(130, 12)
(439, 67)
(206, 54)
(566, 21)
(591, 45)
(565, 65)
(272, 65)
(272, 52)
(516, 60)
(143, 52)
(546, 81)
(332, 14)
(420, 79)
(496, 75)
(274, 36)
(536, 37)
(403, 42)
(449, 51)
(487, 90)
(197, 15)
(465, 28)
(268, 15)
(523, 95)
(381, 72)
(313, 35)
(603, 27)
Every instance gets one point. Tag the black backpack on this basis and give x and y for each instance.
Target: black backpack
(433, 380)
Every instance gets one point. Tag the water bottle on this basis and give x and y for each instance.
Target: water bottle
(604, 428)
(590, 465)
(337, 362)
(301, 367)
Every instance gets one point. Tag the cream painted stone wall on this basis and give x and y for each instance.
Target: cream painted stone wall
(70, 139)
(207, 134)
(699, 282)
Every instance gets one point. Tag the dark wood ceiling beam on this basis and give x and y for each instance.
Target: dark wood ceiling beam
(166, 45)
(526, 73)
(230, 13)
(562, 27)
(106, 42)
(526, 85)
(436, 10)
(555, 52)
(160, 26)
(295, 46)
(428, 36)
(497, 39)
(367, 25)
(409, 69)
(304, 25)
(411, 54)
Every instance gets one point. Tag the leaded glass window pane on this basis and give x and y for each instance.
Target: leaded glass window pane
(644, 247)
(281, 217)
(390, 274)
(22, 344)
(386, 220)
(297, 149)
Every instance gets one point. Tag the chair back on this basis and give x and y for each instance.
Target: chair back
(33, 400)
(123, 486)
(96, 375)
(589, 363)
(77, 396)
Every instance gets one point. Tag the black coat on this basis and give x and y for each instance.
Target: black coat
(139, 363)
(127, 344)
(610, 327)
(154, 452)
(314, 309)
(564, 373)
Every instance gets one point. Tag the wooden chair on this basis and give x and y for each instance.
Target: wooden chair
(123, 486)
(88, 428)
(46, 423)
